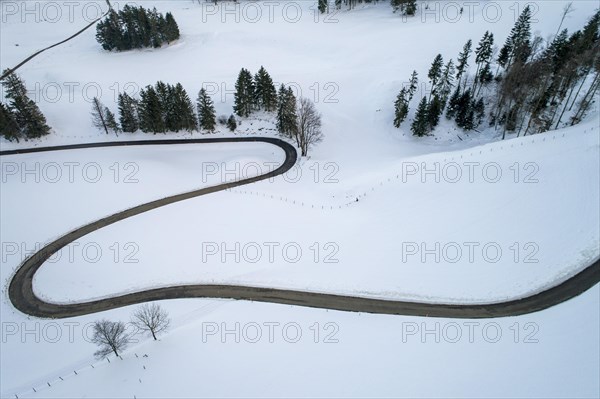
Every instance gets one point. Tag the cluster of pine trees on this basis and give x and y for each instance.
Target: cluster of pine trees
(540, 85)
(531, 90)
(296, 119)
(450, 91)
(21, 118)
(136, 27)
(160, 108)
(258, 93)
(254, 93)
(406, 7)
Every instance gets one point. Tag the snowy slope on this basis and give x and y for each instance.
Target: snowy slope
(572, 327)
(352, 64)
(488, 236)
(550, 354)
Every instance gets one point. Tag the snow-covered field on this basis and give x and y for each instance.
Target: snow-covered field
(476, 238)
(362, 216)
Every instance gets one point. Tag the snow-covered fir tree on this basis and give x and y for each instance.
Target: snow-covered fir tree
(128, 113)
(206, 112)
(244, 98)
(29, 118)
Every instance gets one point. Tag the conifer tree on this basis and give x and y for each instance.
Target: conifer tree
(406, 7)
(322, 5)
(206, 112)
(164, 93)
(463, 61)
(257, 100)
(453, 103)
(291, 112)
(109, 32)
(231, 123)
(558, 50)
(286, 112)
(170, 106)
(445, 85)
(184, 109)
(26, 113)
(281, 102)
(111, 122)
(265, 94)
(590, 32)
(518, 43)
(479, 112)
(483, 58)
(269, 94)
(128, 113)
(435, 73)
(145, 36)
(411, 7)
(505, 54)
(522, 39)
(404, 98)
(244, 98)
(587, 47)
(129, 37)
(485, 76)
(156, 26)
(8, 125)
(465, 111)
(401, 107)
(171, 31)
(420, 125)
(433, 112)
(150, 111)
(413, 85)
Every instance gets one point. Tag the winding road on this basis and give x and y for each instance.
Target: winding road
(22, 296)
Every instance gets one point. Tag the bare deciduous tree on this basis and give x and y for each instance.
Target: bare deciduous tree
(568, 9)
(308, 132)
(110, 336)
(151, 318)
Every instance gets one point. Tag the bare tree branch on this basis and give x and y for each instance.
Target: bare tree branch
(151, 318)
(110, 336)
(308, 132)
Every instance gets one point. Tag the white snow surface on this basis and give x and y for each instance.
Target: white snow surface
(543, 208)
(494, 237)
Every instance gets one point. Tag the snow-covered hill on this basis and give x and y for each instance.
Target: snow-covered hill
(363, 210)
